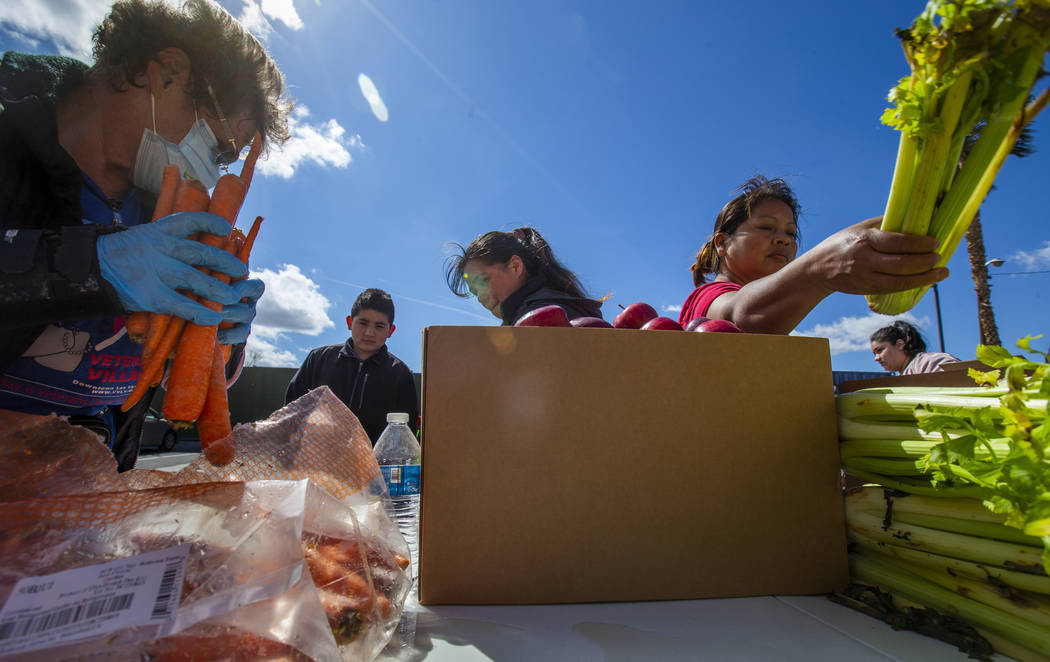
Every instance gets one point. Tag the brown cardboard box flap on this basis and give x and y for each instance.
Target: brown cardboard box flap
(951, 374)
(579, 465)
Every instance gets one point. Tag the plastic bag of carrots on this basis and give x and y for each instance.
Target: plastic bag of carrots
(283, 553)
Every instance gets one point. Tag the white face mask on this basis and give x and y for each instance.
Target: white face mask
(195, 155)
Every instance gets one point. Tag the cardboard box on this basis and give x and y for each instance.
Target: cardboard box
(951, 374)
(593, 465)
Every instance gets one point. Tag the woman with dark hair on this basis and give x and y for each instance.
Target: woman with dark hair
(82, 155)
(512, 273)
(900, 348)
(762, 288)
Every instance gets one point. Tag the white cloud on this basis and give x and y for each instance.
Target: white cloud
(852, 334)
(324, 144)
(261, 352)
(1034, 260)
(283, 11)
(69, 23)
(672, 309)
(254, 21)
(256, 16)
(371, 95)
(292, 303)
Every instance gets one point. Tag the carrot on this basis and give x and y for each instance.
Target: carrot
(249, 241)
(151, 372)
(214, 421)
(188, 383)
(221, 643)
(248, 169)
(190, 195)
(329, 575)
(137, 323)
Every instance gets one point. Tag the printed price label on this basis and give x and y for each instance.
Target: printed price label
(401, 479)
(93, 600)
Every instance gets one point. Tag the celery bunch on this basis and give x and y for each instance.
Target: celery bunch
(951, 569)
(974, 64)
(991, 444)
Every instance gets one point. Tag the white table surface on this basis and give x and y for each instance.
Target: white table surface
(803, 628)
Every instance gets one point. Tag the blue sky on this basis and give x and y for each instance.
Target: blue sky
(616, 129)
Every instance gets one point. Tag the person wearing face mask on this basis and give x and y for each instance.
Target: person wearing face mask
(82, 154)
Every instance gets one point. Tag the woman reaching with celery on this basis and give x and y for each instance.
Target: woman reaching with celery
(760, 286)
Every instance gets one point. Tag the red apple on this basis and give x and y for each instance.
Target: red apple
(634, 316)
(695, 322)
(662, 324)
(592, 322)
(718, 326)
(545, 316)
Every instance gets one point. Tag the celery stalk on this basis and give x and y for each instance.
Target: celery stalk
(922, 487)
(1030, 607)
(980, 550)
(904, 468)
(991, 530)
(876, 500)
(948, 564)
(900, 189)
(867, 568)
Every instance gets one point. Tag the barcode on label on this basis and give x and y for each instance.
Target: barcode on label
(395, 474)
(64, 616)
(166, 592)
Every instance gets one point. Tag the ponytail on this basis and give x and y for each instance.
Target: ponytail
(706, 263)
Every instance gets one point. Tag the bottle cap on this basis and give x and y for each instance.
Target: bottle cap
(396, 417)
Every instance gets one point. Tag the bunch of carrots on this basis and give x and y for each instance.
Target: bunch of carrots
(196, 387)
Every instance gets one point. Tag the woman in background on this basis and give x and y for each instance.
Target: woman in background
(900, 348)
(512, 273)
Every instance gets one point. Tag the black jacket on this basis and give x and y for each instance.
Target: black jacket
(371, 388)
(49, 268)
(535, 294)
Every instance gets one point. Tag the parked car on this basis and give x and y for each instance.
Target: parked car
(157, 435)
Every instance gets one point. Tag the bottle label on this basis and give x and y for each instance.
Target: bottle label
(401, 479)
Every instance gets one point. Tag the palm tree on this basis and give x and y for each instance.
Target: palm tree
(985, 315)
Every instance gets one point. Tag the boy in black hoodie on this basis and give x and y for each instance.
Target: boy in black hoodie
(362, 372)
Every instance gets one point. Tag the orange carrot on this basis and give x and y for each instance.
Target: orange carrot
(249, 241)
(151, 373)
(214, 421)
(243, 247)
(138, 323)
(248, 169)
(190, 195)
(188, 383)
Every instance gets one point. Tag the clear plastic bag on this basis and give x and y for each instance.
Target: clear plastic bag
(290, 552)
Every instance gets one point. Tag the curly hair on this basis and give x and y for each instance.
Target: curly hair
(220, 50)
(735, 212)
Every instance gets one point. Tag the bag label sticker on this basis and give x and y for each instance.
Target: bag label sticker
(94, 600)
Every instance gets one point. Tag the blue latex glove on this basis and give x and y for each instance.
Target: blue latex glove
(145, 264)
(241, 314)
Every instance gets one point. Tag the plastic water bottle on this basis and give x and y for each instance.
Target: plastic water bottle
(397, 453)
